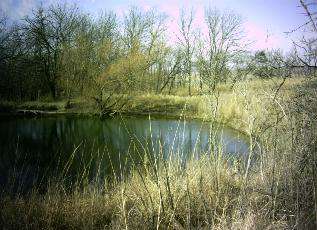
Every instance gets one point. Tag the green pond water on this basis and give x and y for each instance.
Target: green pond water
(33, 150)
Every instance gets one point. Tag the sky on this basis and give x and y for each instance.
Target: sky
(265, 21)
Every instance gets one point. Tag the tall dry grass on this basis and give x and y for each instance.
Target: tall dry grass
(276, 192)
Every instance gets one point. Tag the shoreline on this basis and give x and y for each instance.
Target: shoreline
(28, 113)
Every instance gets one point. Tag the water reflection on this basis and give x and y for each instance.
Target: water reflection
(31, 148)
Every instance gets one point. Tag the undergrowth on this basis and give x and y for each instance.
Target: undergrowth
(277, 192)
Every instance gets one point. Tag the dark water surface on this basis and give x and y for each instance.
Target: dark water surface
(34, 149)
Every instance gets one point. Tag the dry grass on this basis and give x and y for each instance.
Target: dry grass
(206, 194)
(278, 192)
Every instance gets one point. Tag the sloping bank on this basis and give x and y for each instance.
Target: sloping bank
(208, 194)
(228, 109)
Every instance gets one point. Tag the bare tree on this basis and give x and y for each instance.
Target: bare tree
(46, 32)
(305, 49)
(172, 68)
(187, 42)
(3, 36)
(223, 42)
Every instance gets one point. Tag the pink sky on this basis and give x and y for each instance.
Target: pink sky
(265, 21)
(260, 38)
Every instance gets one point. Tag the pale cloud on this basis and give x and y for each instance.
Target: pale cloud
(121, 10)
(144, 5)
(17, 9)
(172, 10)
(6, 6)
(25, 7)
(261, 38)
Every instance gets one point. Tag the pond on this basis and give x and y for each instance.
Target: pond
(35, 148)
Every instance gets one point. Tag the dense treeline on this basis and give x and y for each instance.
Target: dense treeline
(63, 52)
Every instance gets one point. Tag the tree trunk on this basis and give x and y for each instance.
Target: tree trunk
(52, 87)
(200, 83)
(189, 84)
